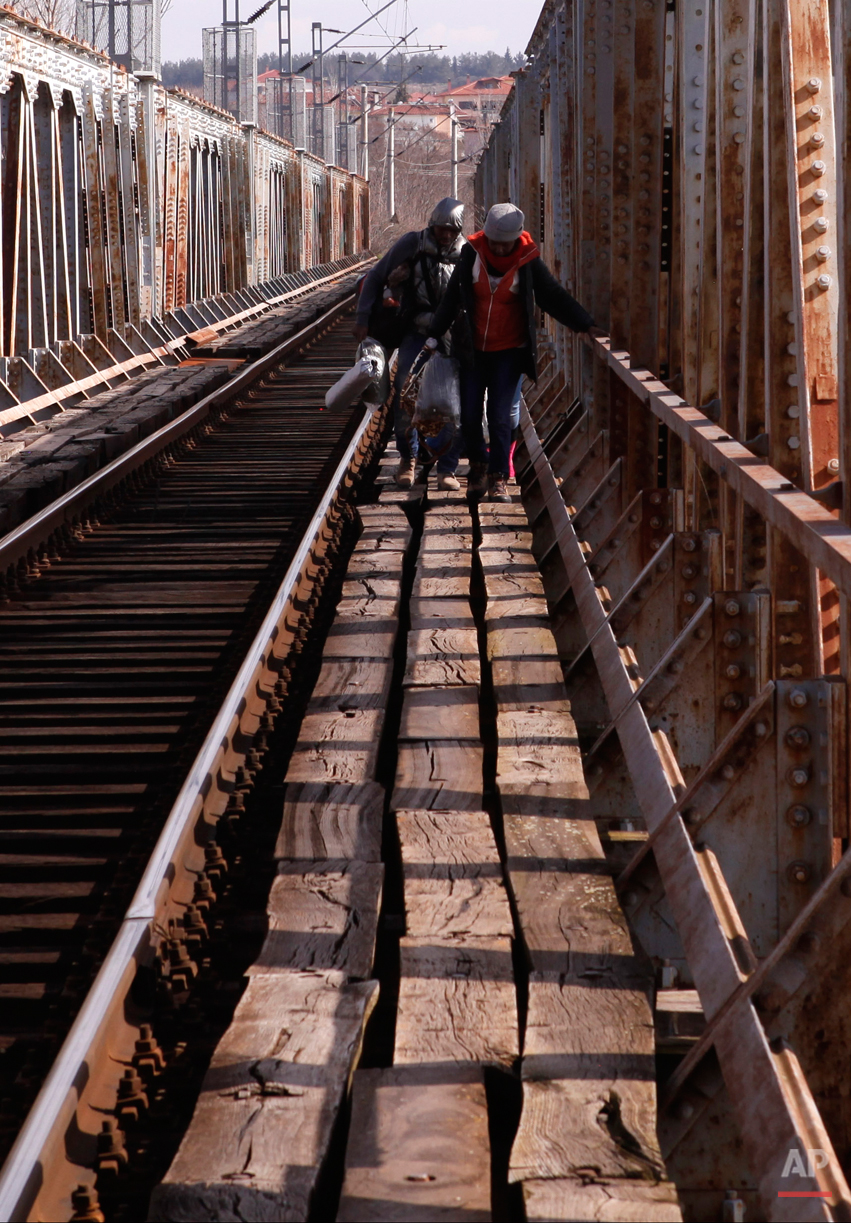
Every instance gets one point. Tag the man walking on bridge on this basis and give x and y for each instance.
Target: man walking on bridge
(499, 279)
(421, 263)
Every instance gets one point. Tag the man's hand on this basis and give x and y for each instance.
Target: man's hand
(360, 332)
(431, 343)
(597, 333)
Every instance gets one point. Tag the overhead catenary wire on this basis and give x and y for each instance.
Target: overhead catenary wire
(395, 85)
(327, 50)
(399, 118)
(378, 61)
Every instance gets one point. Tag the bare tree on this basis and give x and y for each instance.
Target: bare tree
(423, 176)
(59, 15)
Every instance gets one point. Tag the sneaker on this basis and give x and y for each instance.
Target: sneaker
(447, 480)
(496, 487)
(477, 481)
(406, 472)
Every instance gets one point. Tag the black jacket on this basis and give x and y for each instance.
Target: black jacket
(538, 287)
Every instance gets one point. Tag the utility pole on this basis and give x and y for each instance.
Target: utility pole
(343, 82)
(391, 169)
(318, 90)
(364, 132)
(235, 26)
(453, 131)
(285, 70)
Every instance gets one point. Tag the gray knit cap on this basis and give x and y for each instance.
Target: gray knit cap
(505, 223)
(448, 212)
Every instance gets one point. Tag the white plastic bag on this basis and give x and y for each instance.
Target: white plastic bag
(438, 397)
(367, 378)
(351, 386)
(379, 379)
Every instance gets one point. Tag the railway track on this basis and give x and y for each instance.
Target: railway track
(151, 621)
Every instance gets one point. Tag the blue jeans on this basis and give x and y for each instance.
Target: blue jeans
(409, 447)
(501, 375)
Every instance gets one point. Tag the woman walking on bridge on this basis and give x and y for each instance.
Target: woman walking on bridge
(498, 280)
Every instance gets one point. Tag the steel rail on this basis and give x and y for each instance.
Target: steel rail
(263, 307)
(775, 1107)
(29, 535)
(813, 530)
(60, 1093)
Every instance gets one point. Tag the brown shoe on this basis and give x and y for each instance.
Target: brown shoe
(447, 481)
(406, 472)
(477, 481)
(496, 487)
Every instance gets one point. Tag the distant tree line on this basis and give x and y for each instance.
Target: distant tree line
(436, 70)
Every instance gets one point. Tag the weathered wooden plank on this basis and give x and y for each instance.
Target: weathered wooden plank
(367, 606)
(418, 1147)
(517, 560)
(538, 753)
(444, 498)
(356, 683)
(603, 1201)
(513, 543)
(337, 745)
(353, 638)
(442, 642)
(438, 774)
(589, 1077)
(380, 514)
(263, 1122)
(322, 821)
(502, 583)
(452, 873)
(444, 540)
(432, 565)
(430, 614)
(457, 1002)
(524, 642)
(361, 583)
(449, 518)
(393, 495)
(442, 672)
(565, 900)
(473, 903)
(440, 713)
(495, 515)
(464, 838)
(517, 610)
(385, 532)
(369, 566)
(521, 683)
(448, 578)
(323, 916)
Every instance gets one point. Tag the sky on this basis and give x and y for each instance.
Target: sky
(479, 25)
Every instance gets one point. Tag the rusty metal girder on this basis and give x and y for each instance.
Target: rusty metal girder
(697, 203)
